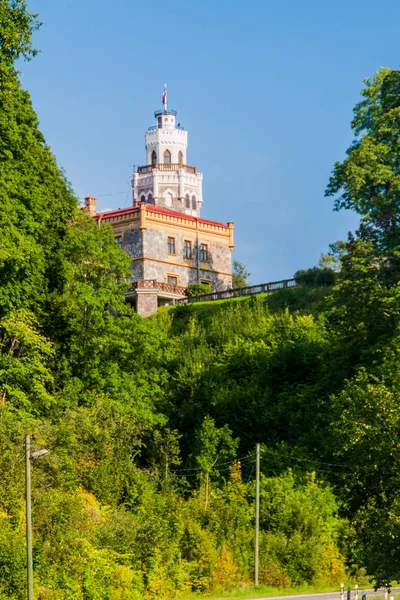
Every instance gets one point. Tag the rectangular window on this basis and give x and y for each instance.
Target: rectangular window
(203, 252)
(118, 240)
(171, 245)
(187, 249)
(172, 279)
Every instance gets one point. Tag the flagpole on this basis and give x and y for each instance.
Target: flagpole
(166, 100)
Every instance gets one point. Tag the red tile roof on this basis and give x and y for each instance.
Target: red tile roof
(155, 209)
(117, 212)
(174, 213)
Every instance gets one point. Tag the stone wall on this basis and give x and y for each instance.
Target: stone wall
(133, 245)
(216, 270)
(146, 302)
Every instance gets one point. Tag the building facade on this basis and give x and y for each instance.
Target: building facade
(170, 245)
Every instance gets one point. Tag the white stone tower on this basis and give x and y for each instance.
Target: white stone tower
(167, 180)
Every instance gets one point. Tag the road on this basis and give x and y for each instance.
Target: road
(371, 594)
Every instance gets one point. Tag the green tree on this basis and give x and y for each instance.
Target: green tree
(17, 26)
(368, 180)
(213, 448)
(36, 200)
(239, 275)
(365, 317)
(26, 380)
(365, 424)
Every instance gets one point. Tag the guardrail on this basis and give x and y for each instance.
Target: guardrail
(250, 290)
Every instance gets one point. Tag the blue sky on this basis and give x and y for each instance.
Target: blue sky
(265, 88)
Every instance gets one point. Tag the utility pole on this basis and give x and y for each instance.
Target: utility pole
(29, 563)
(256, 544)
(28, 457)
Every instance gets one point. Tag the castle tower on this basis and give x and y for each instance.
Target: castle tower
(167, 180)
(170, 246)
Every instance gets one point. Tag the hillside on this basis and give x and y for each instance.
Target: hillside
(147, 489)
(307, 299)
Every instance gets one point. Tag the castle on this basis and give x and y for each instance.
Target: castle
(170, 245)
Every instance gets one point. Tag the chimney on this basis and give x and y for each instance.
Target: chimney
(90, 204)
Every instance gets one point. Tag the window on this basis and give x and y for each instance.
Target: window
(154, 157)
(159, 122)
(118, 240)
(143, 199)
(172, 279)
(187, 199)
(194, 206)
(167, 157)
(180, 157)
(187, 249)
(171, 245)
(150, 199)
(203, 252)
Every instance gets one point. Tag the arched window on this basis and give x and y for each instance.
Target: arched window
(154, 157)
(194, 205)
(187, 198)
(150, 199)
(167, 157)
(180, 157)
(143, 199)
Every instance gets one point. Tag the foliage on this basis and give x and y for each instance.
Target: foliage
(148, 487)
(197, 289)
(316, 276)
(26, 381)
(17, 26)
(239, 275)
(368, 179)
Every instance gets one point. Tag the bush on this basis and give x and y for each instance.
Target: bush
(315, 276)
(197, 289)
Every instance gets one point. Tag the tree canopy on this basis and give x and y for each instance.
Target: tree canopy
(148, 488)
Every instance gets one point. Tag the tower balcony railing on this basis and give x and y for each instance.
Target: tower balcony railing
(158, 113)
(154, 127)
(167, 167)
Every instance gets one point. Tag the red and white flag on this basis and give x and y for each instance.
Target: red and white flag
(164, 96)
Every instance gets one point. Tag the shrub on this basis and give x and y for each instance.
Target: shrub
(197, 289)
(315, 276)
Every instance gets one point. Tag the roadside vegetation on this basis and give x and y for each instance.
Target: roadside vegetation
(148, 487)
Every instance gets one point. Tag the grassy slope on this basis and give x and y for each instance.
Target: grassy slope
(304, 299)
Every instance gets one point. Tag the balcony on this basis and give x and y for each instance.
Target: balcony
(158, 113)
(154, 127)
(160, 286)
(167, 167)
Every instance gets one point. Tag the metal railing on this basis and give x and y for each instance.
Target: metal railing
(158, 113)
(154, 127)
(250, 290)
(167, 167)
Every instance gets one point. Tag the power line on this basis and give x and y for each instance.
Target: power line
(306, 460)
(112, 194)
(244, 459)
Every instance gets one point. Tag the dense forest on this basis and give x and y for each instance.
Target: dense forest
(147, 490)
